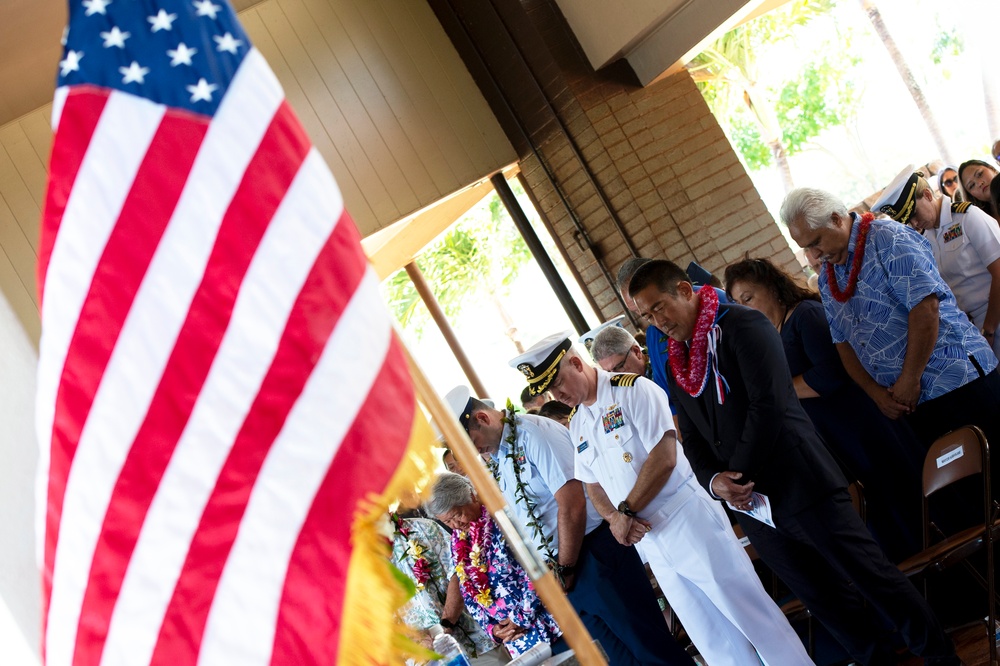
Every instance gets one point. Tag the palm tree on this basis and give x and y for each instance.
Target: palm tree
(476, 257)
(729, 67)
(908, 78)
(730, 62)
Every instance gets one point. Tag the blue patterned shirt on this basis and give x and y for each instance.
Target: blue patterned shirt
(898, 273)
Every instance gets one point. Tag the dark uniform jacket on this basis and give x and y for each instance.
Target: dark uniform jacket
(761, 429)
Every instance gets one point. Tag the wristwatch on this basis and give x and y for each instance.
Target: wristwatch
(565, 569)
(623, 507)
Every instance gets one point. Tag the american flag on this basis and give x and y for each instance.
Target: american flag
(218, 385)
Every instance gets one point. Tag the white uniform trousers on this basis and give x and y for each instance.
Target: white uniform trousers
(712, 586)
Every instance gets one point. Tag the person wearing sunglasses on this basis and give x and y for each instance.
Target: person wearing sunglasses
(965, 242)
(948, 185)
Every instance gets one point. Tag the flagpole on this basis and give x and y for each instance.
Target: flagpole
(546, 585)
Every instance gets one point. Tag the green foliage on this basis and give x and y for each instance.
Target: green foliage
(733, 56)
(404, 581)
(480, 255)
(819, 98)
(792, 106)
(746, 137)
(949, 43)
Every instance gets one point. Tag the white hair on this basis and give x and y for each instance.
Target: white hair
(812, 206)
(610, 341)
(449, 491)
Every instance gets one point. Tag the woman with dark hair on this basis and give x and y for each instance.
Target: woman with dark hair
(882, 454)
(976, 176)
(556, 411)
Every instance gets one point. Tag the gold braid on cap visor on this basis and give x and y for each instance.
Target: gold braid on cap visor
(906, 210)
(908, 206)
(538, 384)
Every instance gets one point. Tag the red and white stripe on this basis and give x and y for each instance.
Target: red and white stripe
(211, 339)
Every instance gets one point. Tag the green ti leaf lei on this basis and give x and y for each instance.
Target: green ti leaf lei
(521, 489)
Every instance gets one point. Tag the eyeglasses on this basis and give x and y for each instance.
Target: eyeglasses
(948, 182)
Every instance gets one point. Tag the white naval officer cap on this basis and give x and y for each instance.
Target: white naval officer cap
(899, 198)
(459, 401)
(540, 364)
(587, 339)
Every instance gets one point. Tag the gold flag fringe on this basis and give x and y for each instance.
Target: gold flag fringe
(369, 632)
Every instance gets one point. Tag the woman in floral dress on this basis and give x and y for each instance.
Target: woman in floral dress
(421, 549)
(496, 590)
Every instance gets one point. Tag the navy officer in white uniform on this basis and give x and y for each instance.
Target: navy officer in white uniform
(965, 241)
(628, 457)
(605, 581)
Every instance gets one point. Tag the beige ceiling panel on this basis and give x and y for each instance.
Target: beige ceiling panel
(395, 246)
(385, 98)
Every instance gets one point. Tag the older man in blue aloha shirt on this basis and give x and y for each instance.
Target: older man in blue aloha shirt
(896, 324)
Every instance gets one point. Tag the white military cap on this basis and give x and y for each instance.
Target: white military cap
(587, 338)
(899, 198)
(459, 401)
(540, 364)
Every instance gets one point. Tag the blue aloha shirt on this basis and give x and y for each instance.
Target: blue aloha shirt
(897, 273)
(512, 593)
(424, 609)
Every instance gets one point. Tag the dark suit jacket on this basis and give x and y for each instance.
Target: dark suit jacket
(761, 430)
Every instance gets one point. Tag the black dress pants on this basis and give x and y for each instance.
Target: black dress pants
(827, 557)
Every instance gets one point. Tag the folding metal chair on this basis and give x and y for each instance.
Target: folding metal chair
(958, 455)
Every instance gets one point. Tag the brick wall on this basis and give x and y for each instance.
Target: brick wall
(663, 162)
(657, 153)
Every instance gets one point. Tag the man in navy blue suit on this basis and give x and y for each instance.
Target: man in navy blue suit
(748, 438)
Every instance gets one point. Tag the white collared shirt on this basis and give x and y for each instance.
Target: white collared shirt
(964, 244)
(613, 438)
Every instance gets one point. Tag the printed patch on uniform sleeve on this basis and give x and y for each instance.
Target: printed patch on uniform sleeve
(613, 418)
(582, 447)
(953, 232)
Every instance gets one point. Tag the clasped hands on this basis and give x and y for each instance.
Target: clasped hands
(629, 530)
(726, 486)
(899, 399)
(505, 631)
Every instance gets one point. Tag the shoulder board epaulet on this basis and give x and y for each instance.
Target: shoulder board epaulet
(960, 206)
(623, 379)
